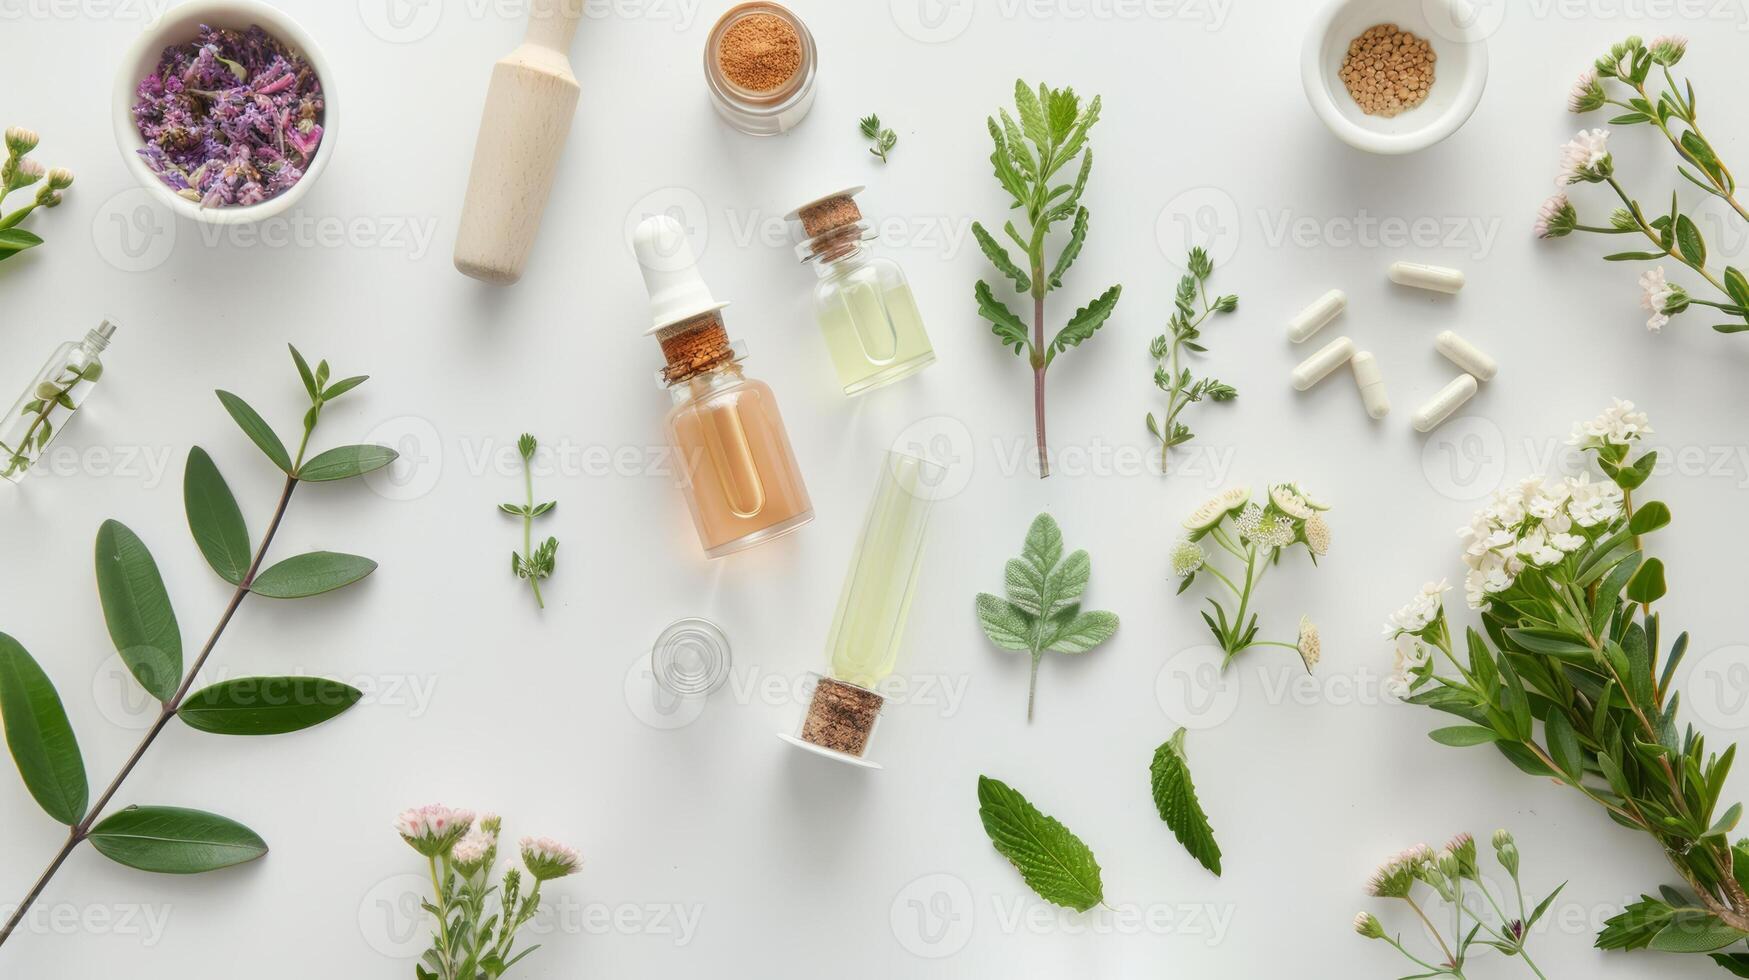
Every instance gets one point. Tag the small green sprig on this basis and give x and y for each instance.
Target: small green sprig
(1170, 374)
(17, 173)
(1454, 877)
(532, 564)
(1028, 155)
(884, 139)
(1043, 608)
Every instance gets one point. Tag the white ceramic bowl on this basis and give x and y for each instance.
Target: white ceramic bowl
(1460, 74)
(181, 23)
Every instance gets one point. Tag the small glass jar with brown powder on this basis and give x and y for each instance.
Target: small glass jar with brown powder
(759, 63)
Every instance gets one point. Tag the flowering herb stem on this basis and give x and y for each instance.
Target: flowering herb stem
(1168, 351)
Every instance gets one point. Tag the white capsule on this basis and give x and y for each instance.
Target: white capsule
(1466, 355)
(1313, 318)
(1372, 384)
(1450, 398)
(1434, 277)
(1313, 369)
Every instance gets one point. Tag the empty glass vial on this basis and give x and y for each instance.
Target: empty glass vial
(863, 647)
(742, 482)
(50, 400)
(868, 317)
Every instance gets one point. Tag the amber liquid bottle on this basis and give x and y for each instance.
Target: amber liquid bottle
(741, 480)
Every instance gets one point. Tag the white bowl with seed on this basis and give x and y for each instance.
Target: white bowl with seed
(1399, 90)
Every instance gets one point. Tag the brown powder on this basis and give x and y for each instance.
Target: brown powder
(832, 213)
(841, 716)
(1388, 70)
(759, 52)
(692, 346)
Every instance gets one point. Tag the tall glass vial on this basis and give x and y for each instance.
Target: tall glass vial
(873, 608)
(742, 482)
(48, 403)
(868, 317)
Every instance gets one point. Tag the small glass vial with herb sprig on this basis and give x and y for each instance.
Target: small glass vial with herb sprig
(49, 402)
(742, 482)
(868, 317)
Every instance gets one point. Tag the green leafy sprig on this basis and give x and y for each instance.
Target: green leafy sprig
(1570, 680)
(1042, 610)
(1171, 375)
(532, 564)
(16, 173)
(1050, 858)
(1028, 156)
(883, 139)
(1623, 78)
(143, 626)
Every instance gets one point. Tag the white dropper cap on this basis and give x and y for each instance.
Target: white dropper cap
(677, 291)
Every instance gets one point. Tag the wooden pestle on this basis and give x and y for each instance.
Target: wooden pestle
(528, 113)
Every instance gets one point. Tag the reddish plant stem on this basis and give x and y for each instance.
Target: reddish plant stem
(1038, 371)
(82, 829)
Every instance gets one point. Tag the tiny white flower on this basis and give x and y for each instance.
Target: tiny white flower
(1583, 158)
(1311, 648)
(1656, 293)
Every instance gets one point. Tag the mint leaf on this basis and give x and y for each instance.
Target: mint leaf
(1050, 858)
(1175, 798)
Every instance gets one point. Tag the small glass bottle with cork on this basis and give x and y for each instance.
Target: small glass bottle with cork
(869, 626)
(743, 485)
(759, 64)
(49, 401)
(868, 317)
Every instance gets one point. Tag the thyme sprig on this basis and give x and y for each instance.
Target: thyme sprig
(884, 139)
(532, 564)
(1171, 375)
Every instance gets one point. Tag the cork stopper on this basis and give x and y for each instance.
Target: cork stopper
(694, 346)
(841, 716)
(829, 215)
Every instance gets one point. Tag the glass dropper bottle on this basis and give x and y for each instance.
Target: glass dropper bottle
(863, 647)
(48, 403)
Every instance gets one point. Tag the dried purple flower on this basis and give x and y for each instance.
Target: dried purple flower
(233, 118)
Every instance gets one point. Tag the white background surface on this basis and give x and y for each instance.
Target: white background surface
(794, 867)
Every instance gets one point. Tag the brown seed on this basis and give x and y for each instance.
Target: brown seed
(1388, 70)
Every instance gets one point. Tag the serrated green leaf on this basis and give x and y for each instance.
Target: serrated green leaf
(1004, 623)
(137, 610)
(1000, 258)
(1024, 584)
(214, 518)
(1065, 582)
(1032, 114)
(1053, 862)
(1084, 632)
(1086, 321)
(174, 840)
(1071, 250)
(266, 705)
(257, 429)
(1003, 321)
(40, 737)
(1175, 798)
(1044, 543)
(346, 462)
(311, 574)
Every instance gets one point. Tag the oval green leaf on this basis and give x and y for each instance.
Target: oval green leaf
(266, 705)
(1460, 736)
(311, 574)
(1649, 517)
(214, 517)
(257, 429)
(176, 841)
(346, 462)
(1647, 585)
(40, 737)
(141, 622)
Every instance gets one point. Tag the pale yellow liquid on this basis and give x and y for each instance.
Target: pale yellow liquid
(874, 333)
(870, 624)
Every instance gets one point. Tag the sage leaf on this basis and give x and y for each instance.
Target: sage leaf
(40, 737)
(1175, 798)
(346, 462)
(1004, 623)
(1053, 862)
(257, 429)
(311, 574)
(1084, 632)
(214, 518)
(174, 840)
(1695, 931)
(266, 705)
(137, 609)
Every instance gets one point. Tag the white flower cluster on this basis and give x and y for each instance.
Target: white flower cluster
(1656, 293)
(1617, 425)
(1411, 656)
(1269, 529)
(1584, 158)
(1533, 525)
(1420, 612)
